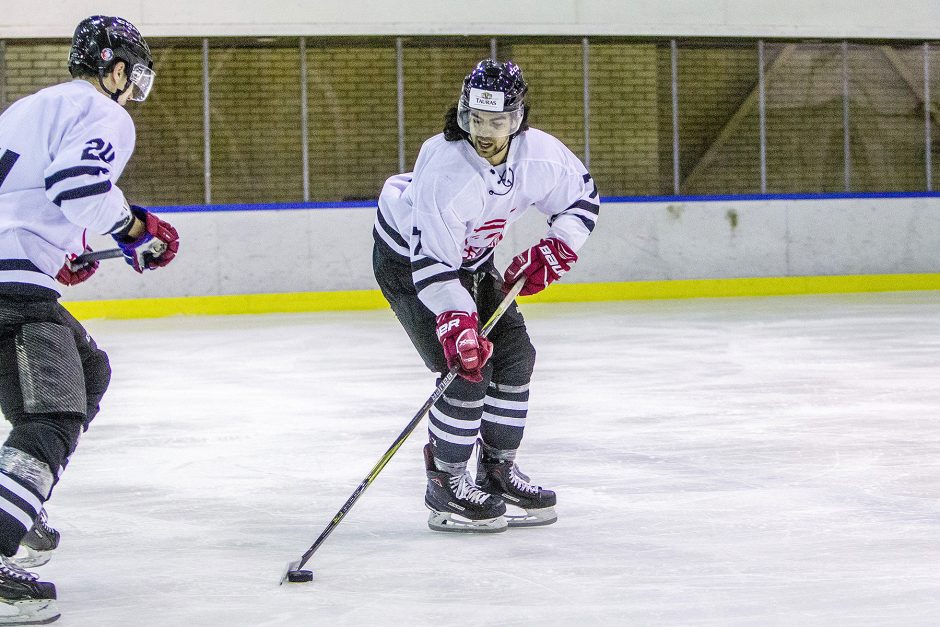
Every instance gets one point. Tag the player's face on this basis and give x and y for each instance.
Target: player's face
(123, 98)
(117, 79)
(492, 149)
(136, 85)
(490, 124)
(489, 134)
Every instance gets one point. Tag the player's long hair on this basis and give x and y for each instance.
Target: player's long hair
(453, 132)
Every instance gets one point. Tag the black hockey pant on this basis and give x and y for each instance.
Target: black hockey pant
(52, 379)
(496, 408)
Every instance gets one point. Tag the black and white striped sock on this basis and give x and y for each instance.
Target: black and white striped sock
(505, 408)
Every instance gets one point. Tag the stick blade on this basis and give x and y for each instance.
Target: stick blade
(290, 566)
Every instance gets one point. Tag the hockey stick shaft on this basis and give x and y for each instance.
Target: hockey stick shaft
(95, 255)
(156, 248)
(438, 392)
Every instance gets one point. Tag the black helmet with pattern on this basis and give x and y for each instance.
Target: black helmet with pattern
(493, 99)
(100, 41)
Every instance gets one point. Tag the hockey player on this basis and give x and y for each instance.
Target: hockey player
(435, 232)
(62, 151)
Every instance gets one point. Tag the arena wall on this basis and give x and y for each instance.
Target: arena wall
(319, 257)
(744, 18)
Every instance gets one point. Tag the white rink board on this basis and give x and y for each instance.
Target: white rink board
(718, 462)
(316, 250)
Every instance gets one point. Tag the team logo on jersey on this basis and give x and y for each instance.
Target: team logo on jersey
(486, 100)
(107, 54)
(484, 237)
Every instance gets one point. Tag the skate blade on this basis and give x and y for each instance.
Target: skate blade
(27, 558)
(445, 521)
(519, 517)
(34, 612)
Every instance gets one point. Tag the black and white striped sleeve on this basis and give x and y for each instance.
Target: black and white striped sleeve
(438, 286)
(573, 206)
(437, 243)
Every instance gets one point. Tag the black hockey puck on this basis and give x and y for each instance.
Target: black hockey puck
(299, 576)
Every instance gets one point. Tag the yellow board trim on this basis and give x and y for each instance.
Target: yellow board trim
(716, 288)
(577, 292)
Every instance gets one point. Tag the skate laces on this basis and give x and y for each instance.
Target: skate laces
(465, 489)
(42, 523)
(10, 570)
(520, 481)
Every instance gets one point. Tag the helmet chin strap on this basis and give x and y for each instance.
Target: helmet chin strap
(114, 94)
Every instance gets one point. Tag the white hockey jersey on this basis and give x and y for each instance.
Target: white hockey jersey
(451, 212)
(62, 150)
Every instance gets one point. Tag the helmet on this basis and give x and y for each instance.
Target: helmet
(100, 41)
(492, 102)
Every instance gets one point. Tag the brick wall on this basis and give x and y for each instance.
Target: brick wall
(434, 75)
(554, 72)
(352, 114)
(255, 107)
(352, 118)
(31, 66)
(804, 118)
(624, 108)
(167, 167)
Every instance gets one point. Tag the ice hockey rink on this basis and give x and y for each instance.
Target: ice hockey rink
(741, 461)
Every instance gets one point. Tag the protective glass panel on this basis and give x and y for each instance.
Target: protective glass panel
(804, 117)
(554, 70)
(352, 118)
(29, 66)
(886, 119)
(434, 73)
(254, 90)
(168, 163)
(719, 137)
(624, 120)
(934, 99)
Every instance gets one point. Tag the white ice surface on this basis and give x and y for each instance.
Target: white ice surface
(718, 462)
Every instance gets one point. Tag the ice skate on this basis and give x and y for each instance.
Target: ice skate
(527, 505)
(37, 546)
(456, 504)
(24, 600)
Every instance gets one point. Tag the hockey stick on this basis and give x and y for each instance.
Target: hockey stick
(95, 255)
(156, 248)
(295, 566)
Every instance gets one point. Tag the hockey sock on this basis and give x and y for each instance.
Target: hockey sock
(50, 438)
(456, 468)
(454, 421)
(505, 408)
(491, 454)
(24, 485)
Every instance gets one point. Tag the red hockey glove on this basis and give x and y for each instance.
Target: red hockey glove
(545, 262)
(463, 346)
(155, 248)
(72, 274)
